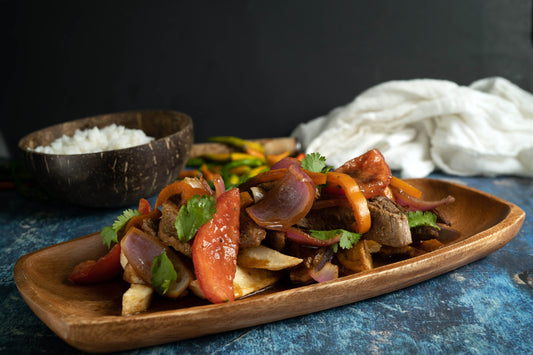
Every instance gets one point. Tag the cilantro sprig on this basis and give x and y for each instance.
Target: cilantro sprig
(197, 211)
(163, 273)
(315, 163)
(110, 233)
(419, 218)
(347, 241)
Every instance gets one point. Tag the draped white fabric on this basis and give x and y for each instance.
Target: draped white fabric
(421, 125)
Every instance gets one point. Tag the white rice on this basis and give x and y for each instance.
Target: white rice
(94, 140)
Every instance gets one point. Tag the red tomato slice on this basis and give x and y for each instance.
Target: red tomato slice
(370, 171)
(215, 248)
(92, 271)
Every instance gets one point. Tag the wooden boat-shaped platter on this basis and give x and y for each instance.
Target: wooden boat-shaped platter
(88, 317)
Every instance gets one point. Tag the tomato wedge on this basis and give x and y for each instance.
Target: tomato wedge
(370, 171)
(215, 248)
(355, 197)
(94, 271)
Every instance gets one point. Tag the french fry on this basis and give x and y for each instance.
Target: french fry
(248, 280)
(262, 257)
(136, 299)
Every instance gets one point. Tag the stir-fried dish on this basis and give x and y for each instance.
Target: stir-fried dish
(239, 223)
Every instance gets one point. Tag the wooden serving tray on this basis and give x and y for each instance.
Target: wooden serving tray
(88, 317)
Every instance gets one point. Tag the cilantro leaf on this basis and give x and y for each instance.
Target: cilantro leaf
(109, 233)
(123, 219)
(197, 211)
(163, 273)
(314, 162)
(419, 218)
(348, 239)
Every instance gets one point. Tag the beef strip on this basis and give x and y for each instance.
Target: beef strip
(389, 223)
(328, 218)
(424, 233)
(167, 230)
(251, 234)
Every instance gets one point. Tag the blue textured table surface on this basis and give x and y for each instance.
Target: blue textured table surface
(485, 307)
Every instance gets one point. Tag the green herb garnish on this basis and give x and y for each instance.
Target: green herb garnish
(315, 163)
(197, 211)
(110, 233)
(163, 273)
(419, 218)
(347, 241)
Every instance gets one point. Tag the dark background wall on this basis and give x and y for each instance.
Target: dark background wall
(246, 68)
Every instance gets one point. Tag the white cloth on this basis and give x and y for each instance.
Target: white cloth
(421, 125)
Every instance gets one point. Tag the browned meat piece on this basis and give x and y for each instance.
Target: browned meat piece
(251, 233)
(424, 233)
(275, 239)
(328, 218)
(150, 226)
(167, 230)
(313, 258)
(389, 223)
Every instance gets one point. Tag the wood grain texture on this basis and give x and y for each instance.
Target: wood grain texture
(87, 317)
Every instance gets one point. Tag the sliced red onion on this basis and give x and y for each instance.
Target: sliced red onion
(218, 182)
(140, 249)
(415, 204)
(285, 162)
(287, 202)
(327, 273)
(302, 237)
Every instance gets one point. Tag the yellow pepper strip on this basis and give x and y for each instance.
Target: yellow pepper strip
(272, 159)
(238, 143)
(405, 187)
(239, 170)
(257, 170)
(255, 152)
(234, 179)
(241, 156)
(355, 197)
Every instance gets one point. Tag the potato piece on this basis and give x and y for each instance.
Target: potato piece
(136, 299)
(262, 257)
(248, 280)
(194, 286)
(131, 276)
(357, 258)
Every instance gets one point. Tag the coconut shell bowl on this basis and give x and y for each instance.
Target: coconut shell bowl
(114, 178)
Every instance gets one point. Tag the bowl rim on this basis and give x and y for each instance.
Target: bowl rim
(26, 150)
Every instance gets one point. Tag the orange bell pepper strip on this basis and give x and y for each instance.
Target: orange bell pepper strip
(405, 187)
(179, 188)
(272, 159)
(355, 197)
